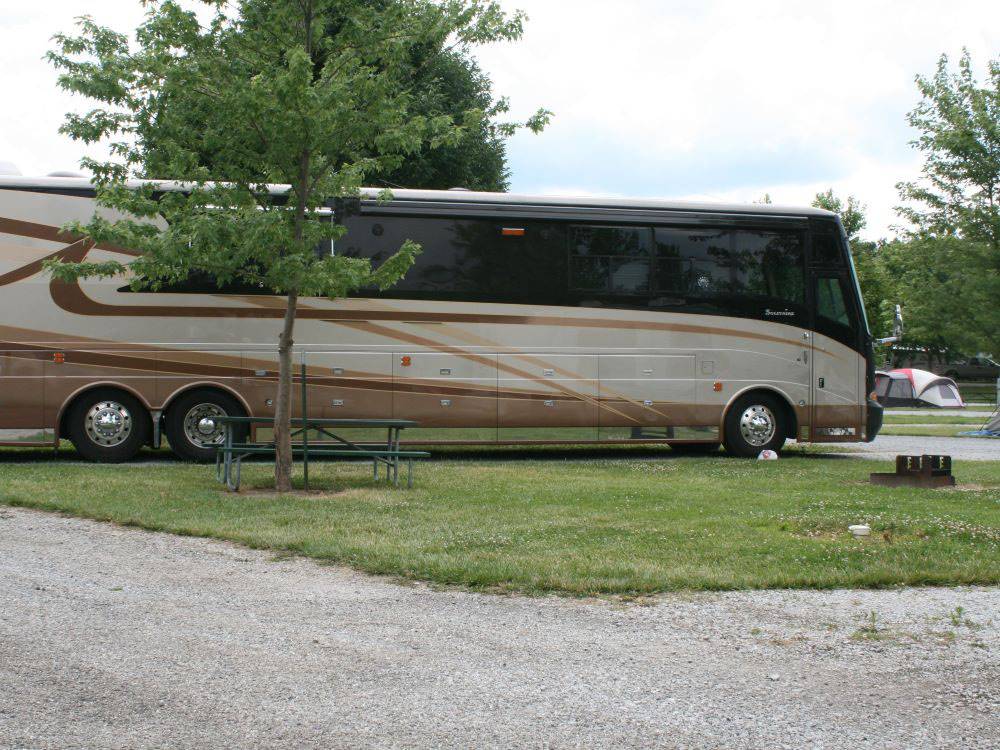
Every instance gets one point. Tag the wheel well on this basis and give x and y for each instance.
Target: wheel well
(210, 388)
(68, 406)
(788, 411)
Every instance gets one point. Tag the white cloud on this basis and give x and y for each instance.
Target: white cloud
(684, 98)
(784, 97)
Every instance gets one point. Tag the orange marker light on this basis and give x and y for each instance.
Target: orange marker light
(716, 386)
(512, 232)
(405, 361)
(58, 357)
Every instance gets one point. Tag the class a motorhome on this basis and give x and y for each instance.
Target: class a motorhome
(526, 319)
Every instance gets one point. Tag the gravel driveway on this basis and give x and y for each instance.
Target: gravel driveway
(960, 449)
(118, 638)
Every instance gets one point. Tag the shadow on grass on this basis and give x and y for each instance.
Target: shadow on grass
(499, 453)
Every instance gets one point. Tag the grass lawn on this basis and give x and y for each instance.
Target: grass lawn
(895, 419)
(574, 521)
(938, 430)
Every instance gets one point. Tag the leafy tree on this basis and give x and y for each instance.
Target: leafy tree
(958, 197)
(930, 277)
(441, 80)
(452, 83)
(959, 125)
(304, 93)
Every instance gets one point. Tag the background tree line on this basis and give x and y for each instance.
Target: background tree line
(944, 267)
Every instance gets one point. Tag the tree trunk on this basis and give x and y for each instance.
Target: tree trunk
(283, 405)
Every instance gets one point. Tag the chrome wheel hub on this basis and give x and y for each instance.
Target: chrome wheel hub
(202, 426)
(757, 425)
(108, 423)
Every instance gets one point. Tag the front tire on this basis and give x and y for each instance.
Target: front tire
(192, 425)
(108, 425)
(755, 423)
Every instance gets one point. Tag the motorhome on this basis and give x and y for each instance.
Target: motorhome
(525, 319)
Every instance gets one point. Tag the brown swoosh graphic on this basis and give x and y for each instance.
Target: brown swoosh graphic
(71, 298)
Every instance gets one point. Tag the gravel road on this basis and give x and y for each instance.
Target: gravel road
(960, 449)
(118, 638)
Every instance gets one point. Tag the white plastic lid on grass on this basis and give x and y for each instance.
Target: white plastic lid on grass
(860, 529)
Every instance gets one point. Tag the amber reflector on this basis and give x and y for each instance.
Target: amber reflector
(717, 385)
(512, 232)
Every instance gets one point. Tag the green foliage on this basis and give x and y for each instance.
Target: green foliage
(948, 273)
(945, 272)
(439, 80)
(305, 94)
(308, 94)
(947, 292)
(959, 125)
(450, 82)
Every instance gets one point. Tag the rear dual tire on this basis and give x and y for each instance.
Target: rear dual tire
(111, 426)
(108, 425)
(192, 424)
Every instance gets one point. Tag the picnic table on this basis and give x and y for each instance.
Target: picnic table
(229, 456)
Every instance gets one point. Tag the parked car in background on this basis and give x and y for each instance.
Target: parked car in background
(971, 368)
(959, 368)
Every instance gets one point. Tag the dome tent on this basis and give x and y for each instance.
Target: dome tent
(909, 387)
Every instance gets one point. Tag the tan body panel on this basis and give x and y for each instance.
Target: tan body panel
(483, 371)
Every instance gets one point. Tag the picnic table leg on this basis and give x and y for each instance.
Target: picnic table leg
(395, 457)
(233, 482)
(395, 460)
(228, 461)
(409, 474)
(390, 462)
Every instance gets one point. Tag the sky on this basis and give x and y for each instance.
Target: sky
(709, 100)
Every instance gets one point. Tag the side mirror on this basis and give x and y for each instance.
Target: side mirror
(897, 328)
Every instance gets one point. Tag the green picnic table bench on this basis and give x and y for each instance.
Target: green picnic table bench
(229, 456)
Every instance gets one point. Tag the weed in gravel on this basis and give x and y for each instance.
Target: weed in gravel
(870, 630)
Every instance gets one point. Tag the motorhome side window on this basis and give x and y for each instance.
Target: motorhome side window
(727, 266)
(835, 315)
(610, 260)
(475, 260)
(826, 246)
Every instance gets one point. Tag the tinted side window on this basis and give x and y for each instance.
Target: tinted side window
(731, 267)
(826, 246)
(835, 315)
(466, 259)
(830, 301)
(609, 260)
